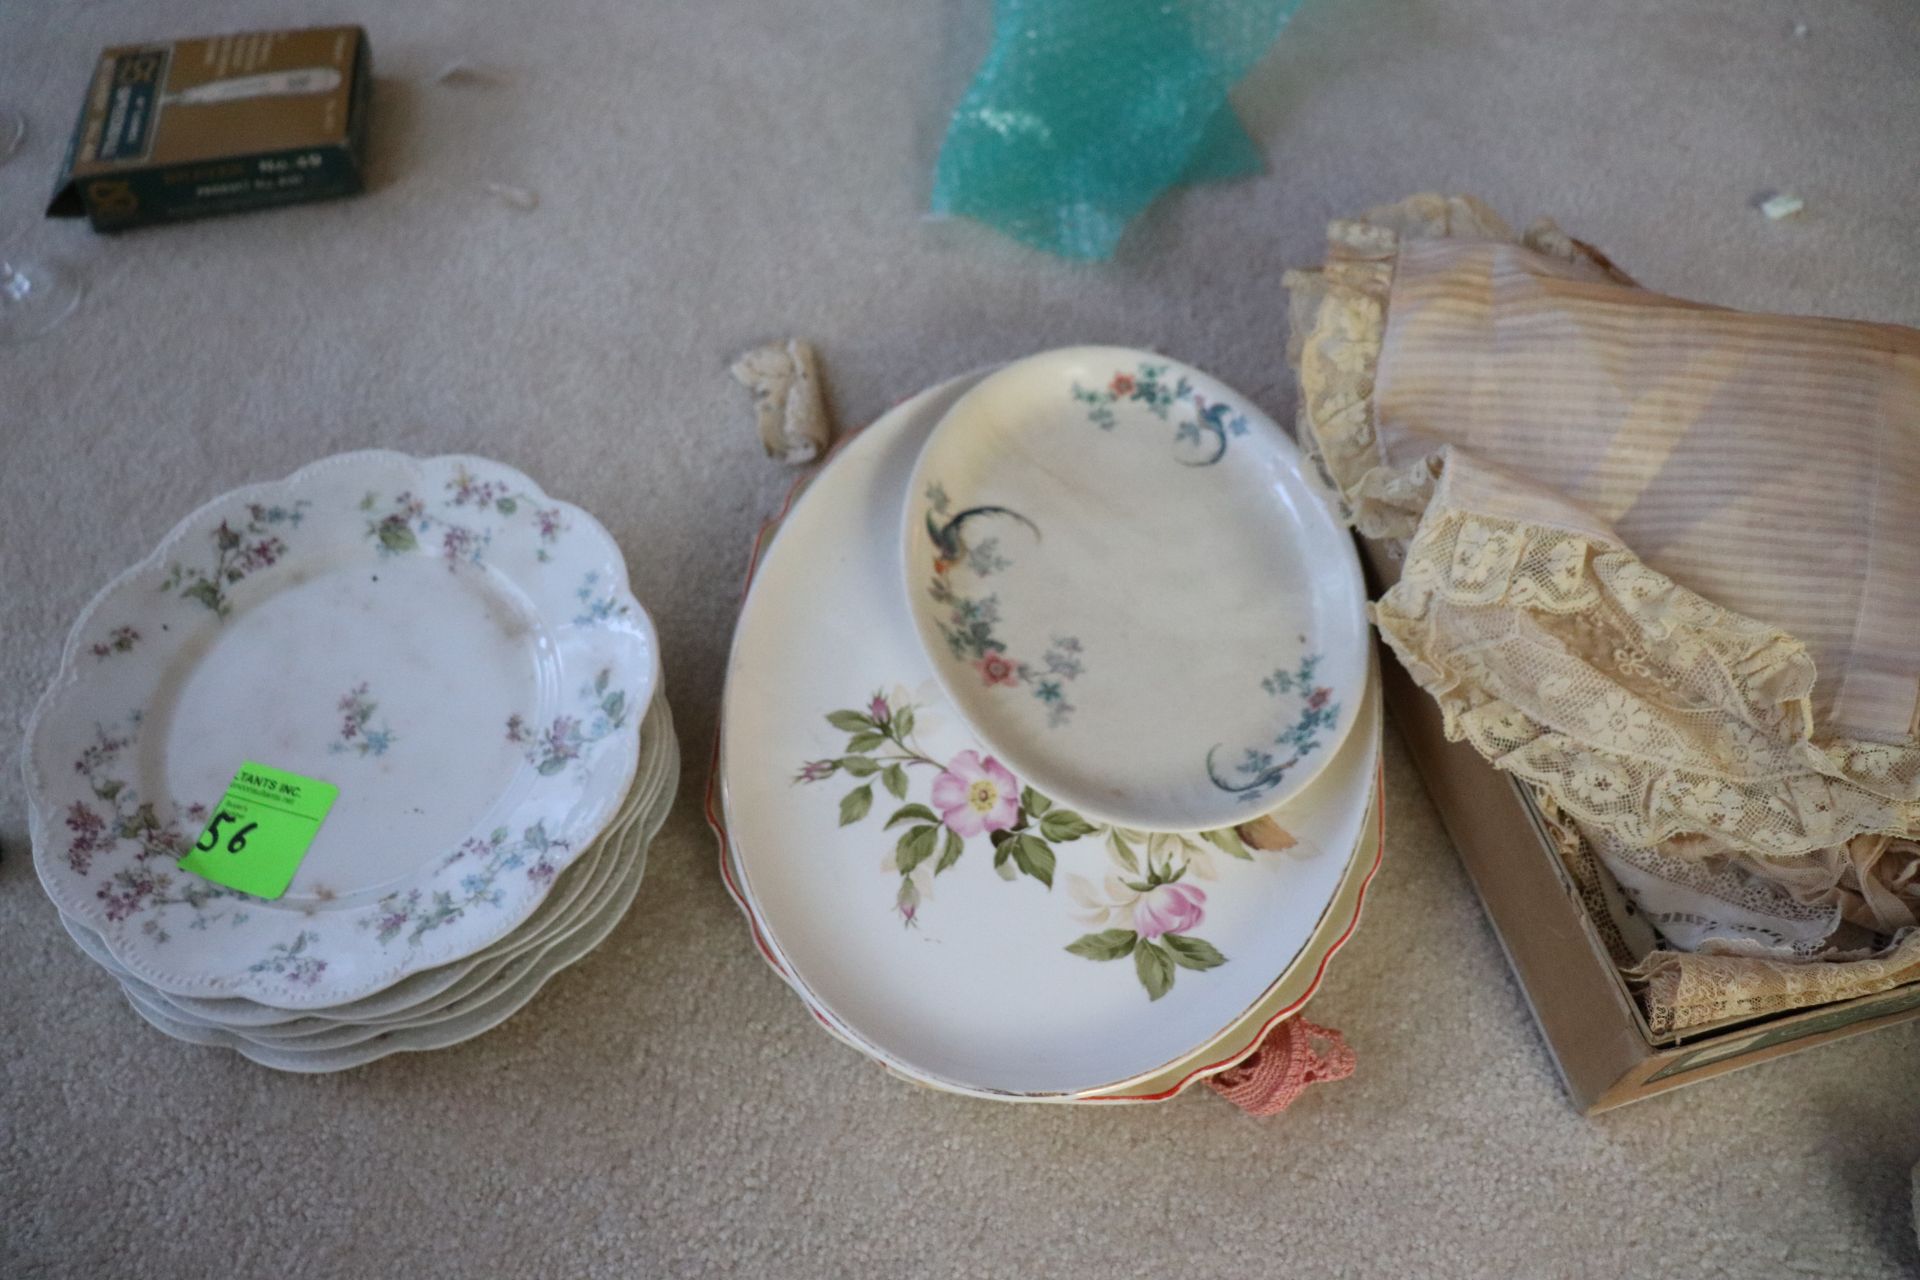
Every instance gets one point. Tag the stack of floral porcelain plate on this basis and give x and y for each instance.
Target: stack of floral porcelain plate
(1050, 748)
(458, 655)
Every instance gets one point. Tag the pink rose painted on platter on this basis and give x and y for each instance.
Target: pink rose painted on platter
(976, 794)
(1169, 908)
(997, 668)
(1143, 912)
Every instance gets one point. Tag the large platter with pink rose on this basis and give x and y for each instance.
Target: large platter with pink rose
(455, 651)
(944, 913)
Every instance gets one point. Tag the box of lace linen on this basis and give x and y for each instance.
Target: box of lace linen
(1661, 687)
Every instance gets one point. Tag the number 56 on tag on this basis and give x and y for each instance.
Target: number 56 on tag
(257, 836)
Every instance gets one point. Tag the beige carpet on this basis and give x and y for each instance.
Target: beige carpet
(712, 172)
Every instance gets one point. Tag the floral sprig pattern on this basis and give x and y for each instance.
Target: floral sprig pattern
(138, 890)
(116, 815)
(534, 854)
(120, 814)
(1260, 769)
(401, 523)
(1208, 425)
(237, 553)
(357, 734)
(565, 740)
(1148, 906)
(290, 960)
(597, 607)
(971, 625)
(119, 640)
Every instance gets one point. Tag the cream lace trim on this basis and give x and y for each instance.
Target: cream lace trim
(1690, 991)
(1634, 703)
(1637, 705)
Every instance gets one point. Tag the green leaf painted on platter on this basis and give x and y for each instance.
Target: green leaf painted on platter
(1155, 968)
(1123, 851)
(1192, 953)
(860, 766)
(1064, 824)
(915, 847)
(895, 779)
(207, 593)
(1005, 869)
(397, 535)
(951, 853)
(849, 721)
(1163, 847)
(1033, 802)
(551, 765)
(854, 807)
(907, 813)
(506, 506)
(1229, 843)
(865, 741)
(1034, 857)
(902, 722)
(1108, 944)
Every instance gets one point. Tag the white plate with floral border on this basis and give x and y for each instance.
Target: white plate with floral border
(1129, 583)
(576, 891)
(452, 648)
(529, 976)
(510, 988)
(1083, 958)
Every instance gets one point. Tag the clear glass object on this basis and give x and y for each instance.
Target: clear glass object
(34, 297)
(13, 131)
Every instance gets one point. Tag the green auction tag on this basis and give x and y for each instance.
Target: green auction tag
(260, 830)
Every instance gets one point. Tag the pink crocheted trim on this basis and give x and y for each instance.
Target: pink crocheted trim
(1297, 1053)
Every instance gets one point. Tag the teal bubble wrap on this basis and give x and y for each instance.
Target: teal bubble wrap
(1085, 110)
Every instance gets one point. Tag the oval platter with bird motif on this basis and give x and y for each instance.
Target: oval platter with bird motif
(1134, 589)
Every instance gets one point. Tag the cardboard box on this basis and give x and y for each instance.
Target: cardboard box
(218, 125)
(1606, 1052)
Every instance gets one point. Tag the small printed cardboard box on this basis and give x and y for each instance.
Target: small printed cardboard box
(1606, 1052)
(220, 124)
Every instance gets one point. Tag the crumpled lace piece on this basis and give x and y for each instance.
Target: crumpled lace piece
(1750, 944)
(1295, 1055)
(1086, 110)
(1640, 706)
(1691, 990)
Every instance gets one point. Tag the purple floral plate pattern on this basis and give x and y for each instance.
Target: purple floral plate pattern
(305, 623)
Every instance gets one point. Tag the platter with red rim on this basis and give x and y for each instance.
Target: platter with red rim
(945, 916)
